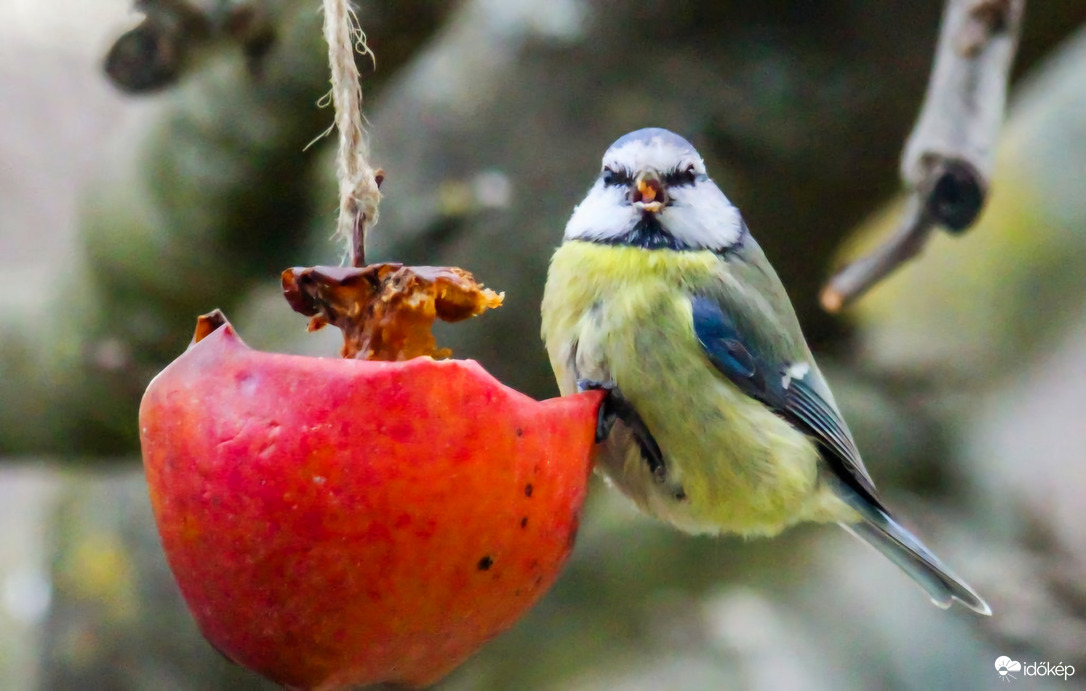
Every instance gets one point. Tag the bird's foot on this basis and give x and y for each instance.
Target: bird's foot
(613, 408)
(607, 413)
(593, 385)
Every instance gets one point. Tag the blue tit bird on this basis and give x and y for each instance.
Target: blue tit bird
(717, 418)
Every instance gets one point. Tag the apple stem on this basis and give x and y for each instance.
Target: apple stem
(359, 183)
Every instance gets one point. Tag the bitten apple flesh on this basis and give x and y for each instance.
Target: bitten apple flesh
(336, 522)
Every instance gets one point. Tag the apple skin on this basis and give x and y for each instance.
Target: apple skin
(337, 522)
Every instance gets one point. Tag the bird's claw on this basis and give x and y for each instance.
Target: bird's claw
(615, 407)
(593, 385)
(607, 413)
(606, 416)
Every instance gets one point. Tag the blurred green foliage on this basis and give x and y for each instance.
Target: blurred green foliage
(490, 118)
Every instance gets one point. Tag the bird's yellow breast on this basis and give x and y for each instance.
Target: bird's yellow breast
(623, 314)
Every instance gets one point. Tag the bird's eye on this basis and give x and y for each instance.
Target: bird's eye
(687, 176)
(612, 178)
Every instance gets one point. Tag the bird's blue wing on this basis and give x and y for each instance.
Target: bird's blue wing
(782, 387)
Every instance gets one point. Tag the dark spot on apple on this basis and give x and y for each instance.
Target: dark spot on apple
(524, 522)
(485, 563)
(520, 432)
(528, 490)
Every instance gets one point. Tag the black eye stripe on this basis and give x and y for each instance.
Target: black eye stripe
(680, 178)
(616, 178)
(673, 178)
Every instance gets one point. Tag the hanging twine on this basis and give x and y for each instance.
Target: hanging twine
(359, 184)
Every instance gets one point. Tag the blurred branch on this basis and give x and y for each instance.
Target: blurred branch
(160, 50)
(949, 156)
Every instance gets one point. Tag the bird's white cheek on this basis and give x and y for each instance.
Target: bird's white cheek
(605, 212)
(703, 217)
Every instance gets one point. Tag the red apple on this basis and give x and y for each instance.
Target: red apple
(334, 522)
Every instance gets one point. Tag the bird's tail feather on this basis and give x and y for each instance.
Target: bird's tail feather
(883, 533)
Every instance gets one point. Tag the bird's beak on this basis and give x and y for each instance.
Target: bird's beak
(649, 193)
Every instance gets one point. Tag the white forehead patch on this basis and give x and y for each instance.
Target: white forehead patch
(657, 153)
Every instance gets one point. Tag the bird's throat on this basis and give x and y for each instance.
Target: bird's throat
(649, 233)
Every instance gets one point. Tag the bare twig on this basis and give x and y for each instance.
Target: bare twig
(949, 156)
(359, 184)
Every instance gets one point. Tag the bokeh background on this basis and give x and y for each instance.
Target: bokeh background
(963, 376)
